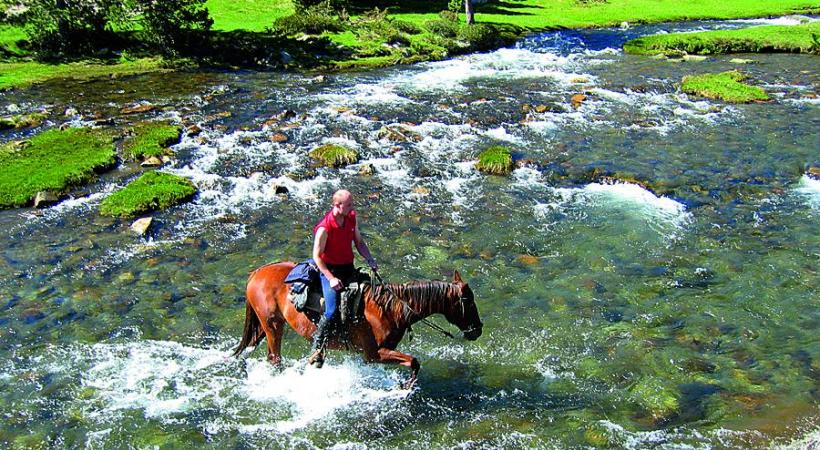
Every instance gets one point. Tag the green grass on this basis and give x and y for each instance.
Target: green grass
(333, 155)
(21, 74)
(151, 139)
(725, 86)
(251, 15)
(52, 161)
(10, 37)
(149, 192)
(496, 160)
(775, 38)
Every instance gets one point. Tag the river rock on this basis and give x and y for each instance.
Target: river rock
(741, 61)
(278, 189)
(285, 115)
(44, 199)
(152, 161)
(577, 100)
(279, 138)
(136, 109)
(527, 260)
(814, 172)
(141, 226)
(367, 169)
(194, 130)
(694, 58)
(70, 112)
(421, 190)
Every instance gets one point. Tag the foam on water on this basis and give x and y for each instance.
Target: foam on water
(808, 188)
(167, 381)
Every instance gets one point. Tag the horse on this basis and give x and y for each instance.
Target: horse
(389, 311)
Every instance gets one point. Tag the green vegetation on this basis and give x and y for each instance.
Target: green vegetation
(21, 74)
(151, 139)
(725, 86)
(22, 120)
(52, 161)
(151, 191)
(250, 15)
(496, 160)
(333, 155)
(656, 398)
(776, 38)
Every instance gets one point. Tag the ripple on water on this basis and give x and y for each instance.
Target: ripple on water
(809, 190)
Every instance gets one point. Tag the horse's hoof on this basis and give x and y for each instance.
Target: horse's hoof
(317, 359)
(407, 385)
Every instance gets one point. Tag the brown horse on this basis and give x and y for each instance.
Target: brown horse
(387, 318)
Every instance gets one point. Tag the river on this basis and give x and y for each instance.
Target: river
(676, 308)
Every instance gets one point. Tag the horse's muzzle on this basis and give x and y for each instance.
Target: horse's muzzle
(473, 332)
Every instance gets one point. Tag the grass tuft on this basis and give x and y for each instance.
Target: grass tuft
(496, 160)
(151, 139)
(333, 155)
(725, 86)
(150, 192)
(52, 161)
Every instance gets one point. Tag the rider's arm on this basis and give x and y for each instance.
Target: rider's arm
(318, 247)
(361, 246)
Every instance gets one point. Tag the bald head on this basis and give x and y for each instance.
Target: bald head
(342, 203)
(341, 196)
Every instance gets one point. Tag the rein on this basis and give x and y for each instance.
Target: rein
(407, 308)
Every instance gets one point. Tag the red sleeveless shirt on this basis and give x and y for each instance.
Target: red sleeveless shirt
(339, 244)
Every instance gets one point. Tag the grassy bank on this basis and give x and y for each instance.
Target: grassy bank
(792, 39)
(362, 47)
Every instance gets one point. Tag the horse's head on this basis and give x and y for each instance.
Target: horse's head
(463, 311)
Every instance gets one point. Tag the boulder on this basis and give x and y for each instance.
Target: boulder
(278, 189)
(367, 169)
(577, 100)
(141, 226)
(814, 172)
(194, 130)
(695, 58)
(152, 161)
(44, 199)
(741, 61)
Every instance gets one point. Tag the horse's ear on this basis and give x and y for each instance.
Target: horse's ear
(457, 277)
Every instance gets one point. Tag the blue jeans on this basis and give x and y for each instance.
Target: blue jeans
(343, 272)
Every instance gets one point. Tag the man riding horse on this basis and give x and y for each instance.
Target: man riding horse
(332, 251)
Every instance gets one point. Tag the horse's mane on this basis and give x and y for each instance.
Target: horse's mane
(422, 294)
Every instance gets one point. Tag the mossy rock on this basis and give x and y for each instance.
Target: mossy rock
(52, 161)
(151, 139)
(725, 86)
(333, 155)
(22, 121)
(150, 192)
(496, 160)
(656, 398)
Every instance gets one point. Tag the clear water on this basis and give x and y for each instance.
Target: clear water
(682, 315)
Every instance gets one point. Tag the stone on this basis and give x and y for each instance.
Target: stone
(741, 61)
(694, 58)
(194, 130)
(279, 138)
(151, 161)
(70, 112)
(528, 260)
(367, 169)
(280, 190)
(540, 109)
(285, 115)
(125, 277)
(138, 109)
(624, 25)
(577, 100)
(141, 226)
(525, 108)
(814, 172)
(44, 199)
(421, 190)
(579, 79)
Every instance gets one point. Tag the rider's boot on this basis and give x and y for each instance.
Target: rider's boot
(317, 350)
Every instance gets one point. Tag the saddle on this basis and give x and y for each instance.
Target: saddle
(306, 293)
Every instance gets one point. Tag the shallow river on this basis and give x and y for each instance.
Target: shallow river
(678, 309)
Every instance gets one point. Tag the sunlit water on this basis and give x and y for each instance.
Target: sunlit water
(670, 304)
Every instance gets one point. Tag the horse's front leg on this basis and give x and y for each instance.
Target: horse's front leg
(387, 355)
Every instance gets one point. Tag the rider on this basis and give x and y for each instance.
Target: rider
(333, 254)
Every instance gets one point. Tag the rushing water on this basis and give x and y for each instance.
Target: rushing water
(679, 316)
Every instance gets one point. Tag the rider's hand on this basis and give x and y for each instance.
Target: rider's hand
(372, 263)
(336, 284)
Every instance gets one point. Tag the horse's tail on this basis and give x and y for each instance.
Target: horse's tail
(253, 331)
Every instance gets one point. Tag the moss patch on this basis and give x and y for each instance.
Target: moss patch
(333, 155)
(52, 161)
(496, 160)
(724, 86)
(655, 397)
(150, 192)
(151, 139)
(775, 38)
(22, 121)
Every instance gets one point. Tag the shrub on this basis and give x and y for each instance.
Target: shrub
(169, 24)
(314, 19)
(478, 36)
(496, 160)
(151, 191)
(406, 27)
(443, 28)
